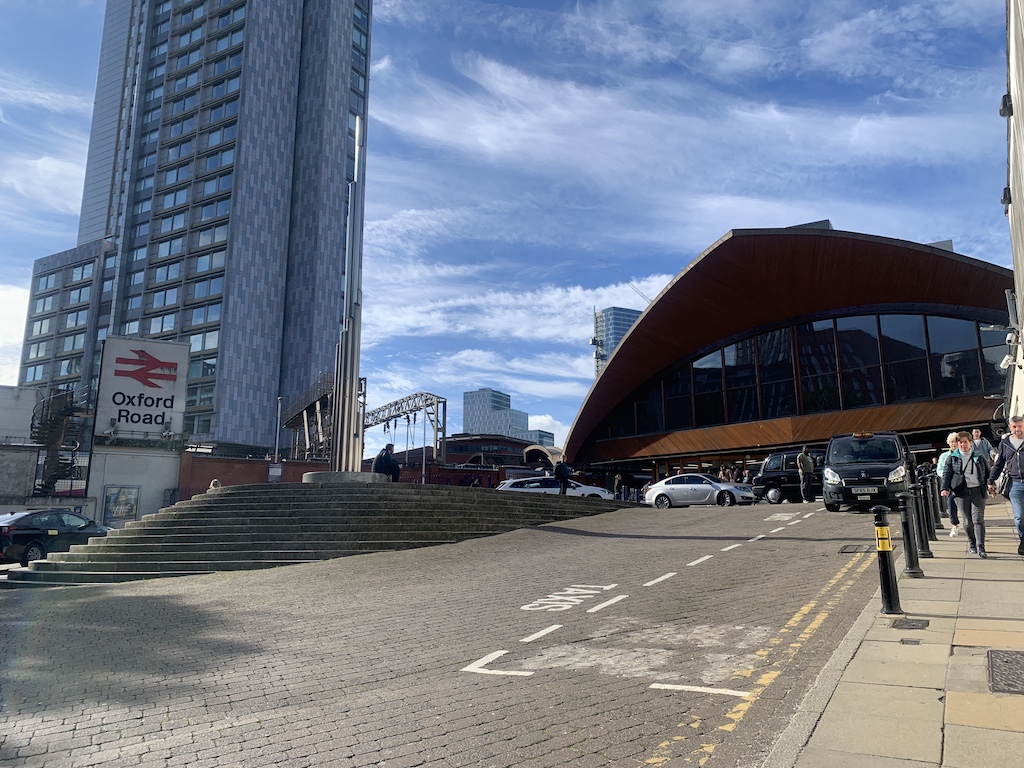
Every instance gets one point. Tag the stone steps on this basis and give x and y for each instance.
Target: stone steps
(263, 526)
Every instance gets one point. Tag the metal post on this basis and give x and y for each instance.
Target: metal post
(277, 440)
(923, 511)
(922, 530)
(886, 571)
(933, 488)
(911, 564)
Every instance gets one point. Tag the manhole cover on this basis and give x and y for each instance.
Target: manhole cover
(850, 549)
(1006, 671)
(910, 623)
(909, 641)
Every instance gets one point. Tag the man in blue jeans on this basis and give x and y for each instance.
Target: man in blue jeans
(1009, 459)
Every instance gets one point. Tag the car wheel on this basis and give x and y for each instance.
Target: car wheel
(831, 507)
(593, 496)
(725, 499)
(34, 551)
(773, 494)
(662, 501)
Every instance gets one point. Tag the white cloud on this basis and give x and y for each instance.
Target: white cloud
(18, 89)
(13, 311)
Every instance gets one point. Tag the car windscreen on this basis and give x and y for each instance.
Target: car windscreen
(863, 451)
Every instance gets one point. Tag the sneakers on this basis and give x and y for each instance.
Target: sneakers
(1020, 547)
(954, 531)
(982, 553)
(972, 550)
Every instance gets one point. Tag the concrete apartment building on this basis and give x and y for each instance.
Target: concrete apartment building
(214, 207)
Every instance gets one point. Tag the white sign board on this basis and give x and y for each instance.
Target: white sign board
(142, 388)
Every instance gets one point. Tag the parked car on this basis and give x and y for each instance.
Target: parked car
(779, 478)
(866, 468)
(32, 534)
(684, 490)
(548, 484)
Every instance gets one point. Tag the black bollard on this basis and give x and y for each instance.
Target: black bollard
(922, 510)
(934, 484)
(886, 570)
(923, 527)
(911, 564)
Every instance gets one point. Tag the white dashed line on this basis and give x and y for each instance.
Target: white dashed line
(808, 515)
(652, 582)
(776, 530)
(733, 546)
(699, 689)
(478, 666)
(606, 603)
(699, 560)
(794, 522)
(757, 538)
(538, 635)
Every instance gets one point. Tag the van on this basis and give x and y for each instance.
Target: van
(864, 469)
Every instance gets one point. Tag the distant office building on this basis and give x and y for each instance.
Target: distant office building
(541, 437)
(610, 325)
(489, 412)
(214, 207)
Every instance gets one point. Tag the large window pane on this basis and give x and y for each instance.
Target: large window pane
(778, 399)
(648, 413)
(816, 348)
(907, 380)
(678, 384)
(820, 393)
(707, 373)
(902, 337)
(948, 334)
(862, 386)
(957, 373)
(995, 377)
(742, 404)
(708, 409)
(624, 425)
(858, 341)
(740, 364)
(775, 355)
(677, 413)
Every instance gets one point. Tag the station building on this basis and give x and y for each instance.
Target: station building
(774, 338)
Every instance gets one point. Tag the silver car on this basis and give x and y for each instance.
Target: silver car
(687, 489)
(548, 484)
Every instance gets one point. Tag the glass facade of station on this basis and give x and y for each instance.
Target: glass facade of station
(833, 364)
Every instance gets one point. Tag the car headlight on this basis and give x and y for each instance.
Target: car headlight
(831, 477)
(898, 474)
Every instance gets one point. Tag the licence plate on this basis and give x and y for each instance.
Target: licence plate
(864, 490)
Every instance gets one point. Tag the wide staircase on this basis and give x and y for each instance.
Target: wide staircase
(246, 527)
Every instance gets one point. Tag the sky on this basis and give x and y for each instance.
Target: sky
(529, 162)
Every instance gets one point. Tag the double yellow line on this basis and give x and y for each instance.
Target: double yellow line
(778, 651)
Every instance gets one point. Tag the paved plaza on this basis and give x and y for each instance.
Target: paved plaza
(701, 636)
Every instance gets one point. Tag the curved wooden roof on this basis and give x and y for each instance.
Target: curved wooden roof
(753, 278)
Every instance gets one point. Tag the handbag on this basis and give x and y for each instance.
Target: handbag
(1003, 483)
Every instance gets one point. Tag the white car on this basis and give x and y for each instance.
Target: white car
(687, 489)
(548, 484)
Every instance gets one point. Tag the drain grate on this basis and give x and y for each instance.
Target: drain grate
(850, 549)
(909, 623)
(1006, 671)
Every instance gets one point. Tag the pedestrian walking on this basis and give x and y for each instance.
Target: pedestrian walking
(964, 477)
(940, 466)
(1008, 461)
(983, 446)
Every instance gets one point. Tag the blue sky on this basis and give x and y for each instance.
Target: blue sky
(513, 146)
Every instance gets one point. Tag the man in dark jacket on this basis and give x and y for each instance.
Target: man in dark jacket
(562, 473)
(384, 463)
(1008, 460)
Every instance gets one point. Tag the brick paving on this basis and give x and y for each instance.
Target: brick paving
(360, 661)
